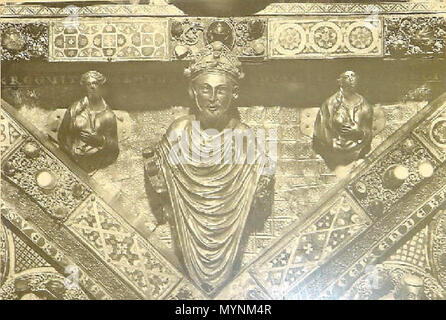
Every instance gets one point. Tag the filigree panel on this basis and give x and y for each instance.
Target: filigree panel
(40, 285)
(333, 227)
(432, 132)
(415, 36)
(385, 282)
(437, 247)
(246, 37)
(11, 135)
(45, 179)
(309, 37)
(123, 249)
(376, 192)
(413, 252)
(105, 40)
(24, 41)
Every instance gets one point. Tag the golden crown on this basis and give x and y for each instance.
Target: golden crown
(215, 57)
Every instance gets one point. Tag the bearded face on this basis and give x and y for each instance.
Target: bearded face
(213, 94)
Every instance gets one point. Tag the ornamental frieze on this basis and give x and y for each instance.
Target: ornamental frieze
(87, 40)
(324, 38)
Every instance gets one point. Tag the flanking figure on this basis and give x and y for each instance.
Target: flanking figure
(88, 132)
(343, 129)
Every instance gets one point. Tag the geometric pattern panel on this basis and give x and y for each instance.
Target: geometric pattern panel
(123, 249)
(310, 37)
(323, 236)
(375, 190)
(99, 40)
(10, 134)
(25, 257)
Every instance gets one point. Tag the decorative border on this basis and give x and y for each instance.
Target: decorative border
(351, 8)
(17, 10)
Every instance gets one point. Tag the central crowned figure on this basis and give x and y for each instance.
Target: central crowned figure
(209, 177)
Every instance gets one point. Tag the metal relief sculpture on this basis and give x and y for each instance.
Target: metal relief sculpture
(88, 131)
(352, 205)
(212, 176)
(343, 127)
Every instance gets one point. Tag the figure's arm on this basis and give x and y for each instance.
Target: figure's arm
(322, 137)
(367, 128)
(110, 147)
(64, 135)
(156, 189)
(262, 205)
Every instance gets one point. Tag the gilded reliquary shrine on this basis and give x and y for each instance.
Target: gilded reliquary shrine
(213, 150)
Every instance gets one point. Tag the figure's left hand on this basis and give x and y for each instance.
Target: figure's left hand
(92, 139)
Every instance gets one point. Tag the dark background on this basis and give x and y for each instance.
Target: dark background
(157, 85)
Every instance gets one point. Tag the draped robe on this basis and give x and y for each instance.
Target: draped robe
(328, 141)
(210, 201)
(79, 118)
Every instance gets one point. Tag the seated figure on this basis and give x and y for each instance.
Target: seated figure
(88, 132)
(204, 178)
(343, 126)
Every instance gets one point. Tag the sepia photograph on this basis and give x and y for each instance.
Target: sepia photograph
(223, 150)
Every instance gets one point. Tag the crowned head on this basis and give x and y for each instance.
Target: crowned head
(214, 75)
